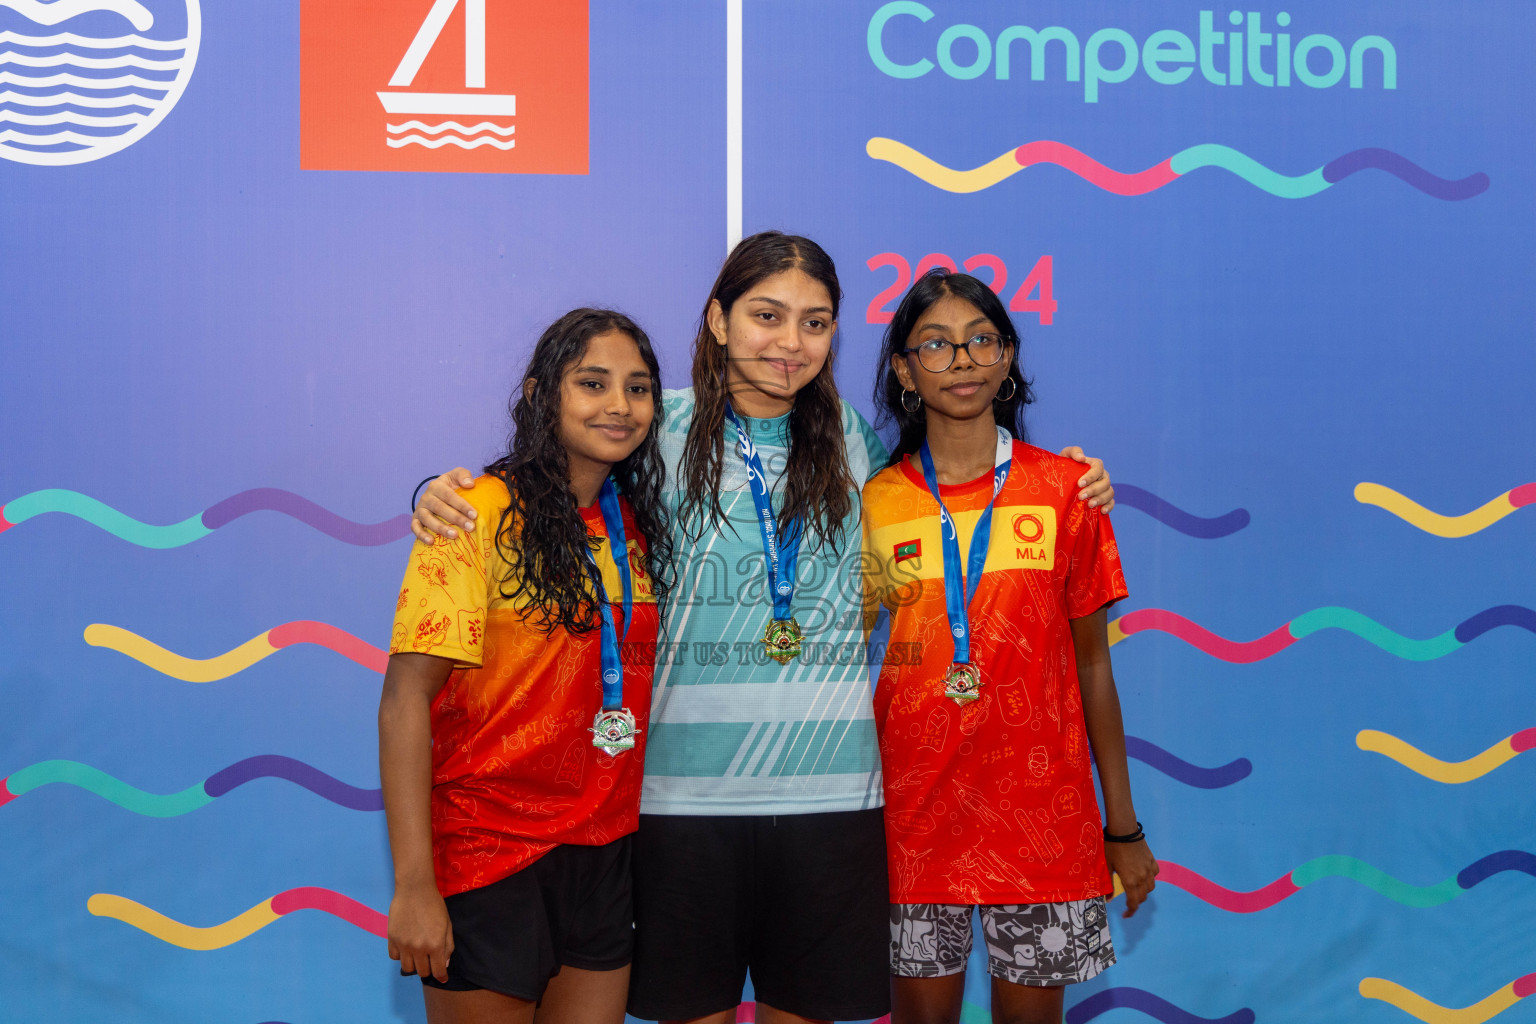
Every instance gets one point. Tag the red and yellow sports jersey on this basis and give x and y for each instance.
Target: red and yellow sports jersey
(993, 801)
(514, 771)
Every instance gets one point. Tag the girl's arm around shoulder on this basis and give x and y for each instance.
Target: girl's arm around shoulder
(1133, 862)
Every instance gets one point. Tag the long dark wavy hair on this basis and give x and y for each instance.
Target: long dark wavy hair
(929, 289)
(818, 484)
(541, 535)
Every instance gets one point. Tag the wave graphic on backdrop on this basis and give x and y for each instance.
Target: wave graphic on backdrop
(1154, 1006)
(1180, 770)
(145, 535)
(243, 926)
(1171, 515)
(1410, 1002)
(222, 666)
(1451, 772)
(1181, 163)
(1464, 525)
(1341, 866)
(76, 98)
(171, 805)
(485, 133)
(1347, 619)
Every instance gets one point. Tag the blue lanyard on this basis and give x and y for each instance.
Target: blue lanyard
(959, 590)
(781, 548)
(618, 547)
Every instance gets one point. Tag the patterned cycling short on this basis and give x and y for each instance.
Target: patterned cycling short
(1027, 943)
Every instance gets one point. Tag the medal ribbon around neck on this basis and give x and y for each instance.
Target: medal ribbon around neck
(960, 589)
(782, 638)
(613, 730)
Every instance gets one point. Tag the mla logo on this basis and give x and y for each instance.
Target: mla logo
(1028, 527)
(496, 86)
(83, 79)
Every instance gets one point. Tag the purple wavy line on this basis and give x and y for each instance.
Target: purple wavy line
(1181, 770)
(271, 499)
(1493, 864)
(275, 766)
(1149, 1004)
(1492, 618)
(1410, 172)
(1177, 518)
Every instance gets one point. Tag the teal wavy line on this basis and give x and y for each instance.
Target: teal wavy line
(1250, 170)
(1340, 866)
(73, 773)
(1374, 632)
(83, 506)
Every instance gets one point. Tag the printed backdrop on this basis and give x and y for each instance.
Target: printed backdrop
(267, 264)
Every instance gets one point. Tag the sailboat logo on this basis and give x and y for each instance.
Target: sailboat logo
(83, 79)
(444, 85)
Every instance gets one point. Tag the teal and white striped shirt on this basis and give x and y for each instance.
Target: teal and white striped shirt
(731, 731)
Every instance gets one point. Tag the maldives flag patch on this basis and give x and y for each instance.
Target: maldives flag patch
(908, 549)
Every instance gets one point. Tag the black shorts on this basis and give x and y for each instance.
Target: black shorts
(571, 907)
(800, 900)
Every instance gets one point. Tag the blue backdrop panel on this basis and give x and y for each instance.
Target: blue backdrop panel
(1295, 319)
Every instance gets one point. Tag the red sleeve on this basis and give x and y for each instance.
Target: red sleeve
(1094, 575)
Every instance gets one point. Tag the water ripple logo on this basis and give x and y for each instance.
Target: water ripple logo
(242, 926)
(1449, 772)
(238, 659)
(1347, 619)
(69, 97)
(1140, 183)
(1410, 1002)
(172, 805)
(1463, 525)
(146, 535)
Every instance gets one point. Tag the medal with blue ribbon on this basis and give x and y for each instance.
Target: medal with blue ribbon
(962, 683)
(613, 730)
(781, 549)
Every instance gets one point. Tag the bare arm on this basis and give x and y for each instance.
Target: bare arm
(1133, 862)
(420, 936)
(442, 508)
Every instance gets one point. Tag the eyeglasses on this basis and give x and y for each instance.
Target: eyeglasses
(938, 354)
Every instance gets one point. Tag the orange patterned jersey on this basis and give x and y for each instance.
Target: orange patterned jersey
(514, 771)
(992, 801)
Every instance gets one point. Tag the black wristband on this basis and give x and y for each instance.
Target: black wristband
(418, 491)
(1134, 837)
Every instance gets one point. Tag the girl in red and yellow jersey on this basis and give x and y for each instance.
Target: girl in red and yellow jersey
(996, 688)
(512, 724)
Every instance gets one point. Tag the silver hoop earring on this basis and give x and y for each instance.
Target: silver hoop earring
(1012, 390)
(904, 404)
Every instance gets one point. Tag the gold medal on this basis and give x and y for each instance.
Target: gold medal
(962, 684)
(783, 640)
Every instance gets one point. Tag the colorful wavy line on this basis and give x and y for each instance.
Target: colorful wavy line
(1125, 997)
(1245, 167)
(222, 666)
(242, 926)
(1410, 1002)
(146, 535)
(1451, 772)
(1180, 770)
(1247, 651)
(1464, 525)
(1172, 516)
(171, 805)
(1340, 866)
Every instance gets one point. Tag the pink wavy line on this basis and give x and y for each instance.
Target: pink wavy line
(311, 897)
(326, 635)
(1523, 495)
(1241, 652)
(1047, 151)
(1223, 898)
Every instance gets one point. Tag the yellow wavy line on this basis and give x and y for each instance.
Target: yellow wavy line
(193, 670)
(1433, 1013)
(105, 904)
(1414, 759)
(936, 174)
(1433, 522)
